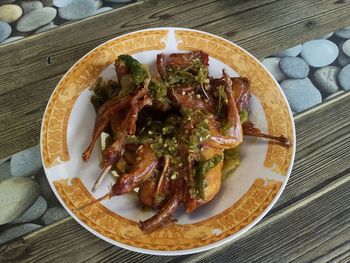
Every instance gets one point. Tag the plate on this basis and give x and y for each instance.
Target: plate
(245, 196)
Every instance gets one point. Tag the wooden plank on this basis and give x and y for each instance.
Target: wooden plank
(304, 187)
(317, 228)
(31, 67)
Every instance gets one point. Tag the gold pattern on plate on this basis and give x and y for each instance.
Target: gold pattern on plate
(176, 236)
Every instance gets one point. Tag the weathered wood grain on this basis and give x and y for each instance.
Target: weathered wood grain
(30, 68)
(308, 230)
(308, 205)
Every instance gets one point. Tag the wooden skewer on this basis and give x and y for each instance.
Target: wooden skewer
(101, 177)
(106, 196)
(161, 178)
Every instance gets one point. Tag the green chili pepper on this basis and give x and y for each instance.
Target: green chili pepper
(222, 98)
(231, 161)
(137, 71)
(201, 172)
(102, 92)
(159, 91)
(243, 115)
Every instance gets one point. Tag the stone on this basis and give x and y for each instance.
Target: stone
(34, 212)
(5, 31)
(319, 52)
(102, 10)
(17, 194)
(343, 59)
(27, 162)
(46, 28)
(30, 6)
(272, 65)
(344, 77)
(61, 3)
(17, 231)
(10, 13)
(77, 9)
(54, 214)
(36, 19)
(5, 171)
(327, 35)
(12, 39)
(98, 4)
(45, 189)
(301, 94)
(346, 47)
(326, 79)
(343, 33)
(294, 67)
(290, 52)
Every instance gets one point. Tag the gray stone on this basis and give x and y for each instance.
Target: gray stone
(301, 94)
(343, 33)
(346, 47)
(17, 231)
(16, 196)
(272, 65)
(27, 162)
(5, 172)
(61, 3)
(30, 6)
(102, 10)
(98, 4)
(5, 31)
(343, 59)
(46, 190)
(46, 28)
(33, 212)
(77, 9)
(36, 19)
(319, 52)
(326, 79)
(327, 35)
(344, 77)
(10, 13)
(54, 214)
(290, 52)
(12, 39)
(294, 67)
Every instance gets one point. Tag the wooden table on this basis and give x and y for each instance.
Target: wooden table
(311, 221)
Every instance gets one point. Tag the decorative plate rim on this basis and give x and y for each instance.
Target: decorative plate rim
(199, 248)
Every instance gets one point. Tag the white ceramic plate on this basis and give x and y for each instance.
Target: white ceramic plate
(245, 197)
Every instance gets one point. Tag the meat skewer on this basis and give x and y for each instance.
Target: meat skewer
(128, 126)
(233, 135)
(127, 182)
(103, 118)
(101, 177)
(165, 215)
